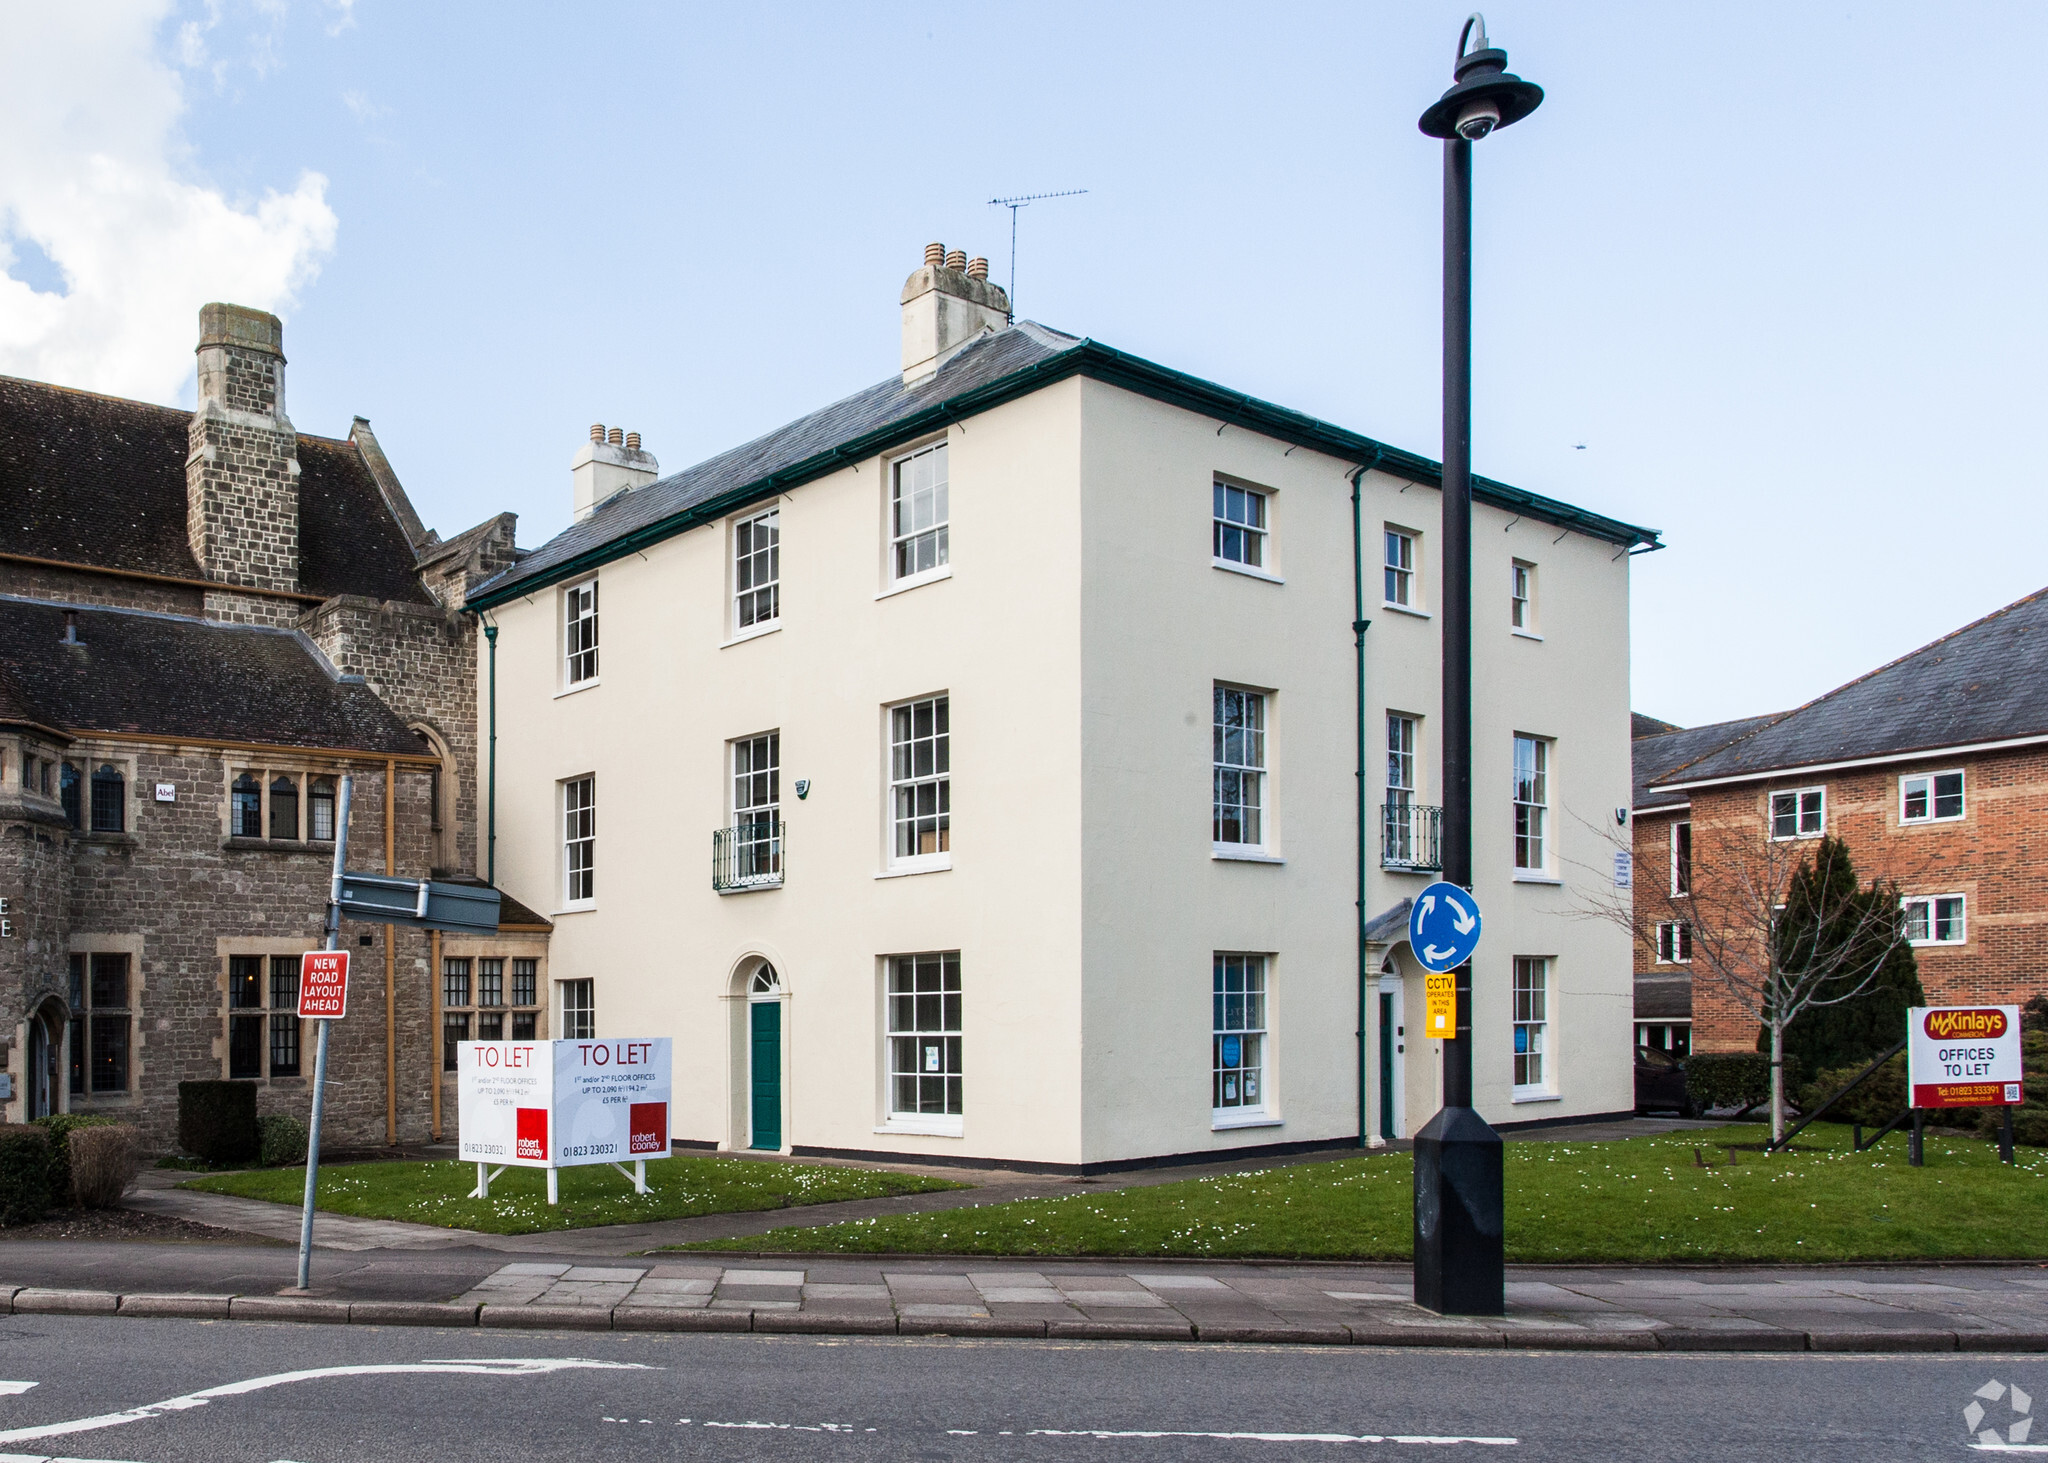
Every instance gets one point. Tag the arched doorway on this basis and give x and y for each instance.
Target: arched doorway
(764, 1058)
(43, 1080)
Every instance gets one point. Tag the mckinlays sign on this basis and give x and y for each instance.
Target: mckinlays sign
(1963, 1056)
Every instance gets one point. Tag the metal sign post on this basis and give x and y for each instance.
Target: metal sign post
(320, 1055)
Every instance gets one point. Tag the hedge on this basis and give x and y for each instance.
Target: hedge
(283, 1140)
(60, 1127)
(24, 1174)
(1740, 1080)
(217, 1121)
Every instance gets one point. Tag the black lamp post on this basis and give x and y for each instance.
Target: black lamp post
(1459, 1259)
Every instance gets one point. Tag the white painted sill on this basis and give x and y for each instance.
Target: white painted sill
(1231, 566)
(752, 632)
(1219, 1123)
(750, 888)
(918, 581)
(1238, 854)
(935, 863)
(1525, 635)
(583, 907)
(579, 687)
(1392, 608)
(1525, 876)
(925, 1127)
(1536, 1095)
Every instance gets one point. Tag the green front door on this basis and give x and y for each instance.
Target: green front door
(1386, 1065)
(765, 1064)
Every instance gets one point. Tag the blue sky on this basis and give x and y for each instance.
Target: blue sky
(1776, 267)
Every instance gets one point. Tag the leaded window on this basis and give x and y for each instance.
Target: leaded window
(109, 799)
(284, 809)
(247, 796)
(320, 810)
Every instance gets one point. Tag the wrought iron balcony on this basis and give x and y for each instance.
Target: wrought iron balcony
(1411, 837)
(746, 856)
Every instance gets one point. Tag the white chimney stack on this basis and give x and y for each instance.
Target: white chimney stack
(609, 465)
(947, 304)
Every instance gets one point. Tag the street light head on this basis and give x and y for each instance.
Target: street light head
(1485, 94)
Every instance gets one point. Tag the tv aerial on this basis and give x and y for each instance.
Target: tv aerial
(1013, 204)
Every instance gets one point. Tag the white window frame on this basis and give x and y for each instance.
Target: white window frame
(922, 1043)
(1240, 1095)
(1534, 1018)
(1400, 568)
(1522, 598)
(1674, 942)
(1256, 538)
(573, 835)
(1253, 778)
(1799, 811)
(1929, 906)
(748, 564)
(573, 1030)
(756, 795)
(1533, 811)
(1403, 783)
(903, 777)
(579, 647)
(1681, 865)
(938, 528)
(1930, 797)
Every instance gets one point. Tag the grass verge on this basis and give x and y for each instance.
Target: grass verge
(1636, 1200)
(435, 1193)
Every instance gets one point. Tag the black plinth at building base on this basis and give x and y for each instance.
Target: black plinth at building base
(1460, 1260)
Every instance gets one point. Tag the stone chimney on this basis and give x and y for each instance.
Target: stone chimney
(242, 466)
(947, 303)
(609, 463)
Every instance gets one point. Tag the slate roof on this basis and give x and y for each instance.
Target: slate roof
(1010, 361)
(1987, 682)
(99, 480)
(170, 676)
(1661, 753)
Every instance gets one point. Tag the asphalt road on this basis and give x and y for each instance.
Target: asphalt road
(136, 1390)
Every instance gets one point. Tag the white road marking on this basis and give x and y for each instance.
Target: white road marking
(14, 1389)
(507, 1367)
(1052, 1432)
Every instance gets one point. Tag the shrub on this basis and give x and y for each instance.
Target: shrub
(24, 1174)
(217, 1121)
(1881, 1098)
(283, 1140)
(60, 1127)
(104, 1161)
(1741, 1080)
(2030, 1119)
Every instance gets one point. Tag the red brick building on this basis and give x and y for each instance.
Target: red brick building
(1933, 769)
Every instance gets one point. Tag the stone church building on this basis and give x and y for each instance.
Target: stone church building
(206, 621)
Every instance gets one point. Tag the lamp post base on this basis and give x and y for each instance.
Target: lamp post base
(1460, 1260)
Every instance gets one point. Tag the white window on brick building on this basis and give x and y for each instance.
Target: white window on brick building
(1931, 797)
(1681, 857)
(579, 634)
(1935, 919)
(1674, 943)
(1802, 813)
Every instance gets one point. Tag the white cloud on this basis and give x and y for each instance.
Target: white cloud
(92, 175)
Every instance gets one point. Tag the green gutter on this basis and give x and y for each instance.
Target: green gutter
(1112, 367)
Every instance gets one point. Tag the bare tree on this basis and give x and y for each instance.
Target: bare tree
(1780, 924)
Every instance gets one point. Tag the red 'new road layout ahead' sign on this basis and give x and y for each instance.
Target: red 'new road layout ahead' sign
(323, 985)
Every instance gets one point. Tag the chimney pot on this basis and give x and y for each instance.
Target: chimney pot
(617, 436)
(947, 305)
(957, 260)
(977, 268)
(632, 441)
(935, 256)
(597, 431)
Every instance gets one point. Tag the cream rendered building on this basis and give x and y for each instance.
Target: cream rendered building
(1013, 706)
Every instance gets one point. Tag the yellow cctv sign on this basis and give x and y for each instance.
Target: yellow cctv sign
(1440, 1018)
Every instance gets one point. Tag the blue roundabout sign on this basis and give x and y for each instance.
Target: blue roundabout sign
(1443, 927)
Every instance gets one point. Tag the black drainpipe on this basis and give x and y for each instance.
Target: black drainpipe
(1358, 627)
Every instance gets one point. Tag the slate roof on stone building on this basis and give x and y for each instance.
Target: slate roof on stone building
(1657, 754)
(100, 481)
(859, 425)
(1987, 682)
(166, 676)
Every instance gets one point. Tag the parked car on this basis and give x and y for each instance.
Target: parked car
(1660, 1083)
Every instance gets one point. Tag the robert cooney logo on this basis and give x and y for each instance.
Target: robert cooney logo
(1999, 1418)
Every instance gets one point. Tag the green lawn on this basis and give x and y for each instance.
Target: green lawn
(1641, 1199)
(434, 1193)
